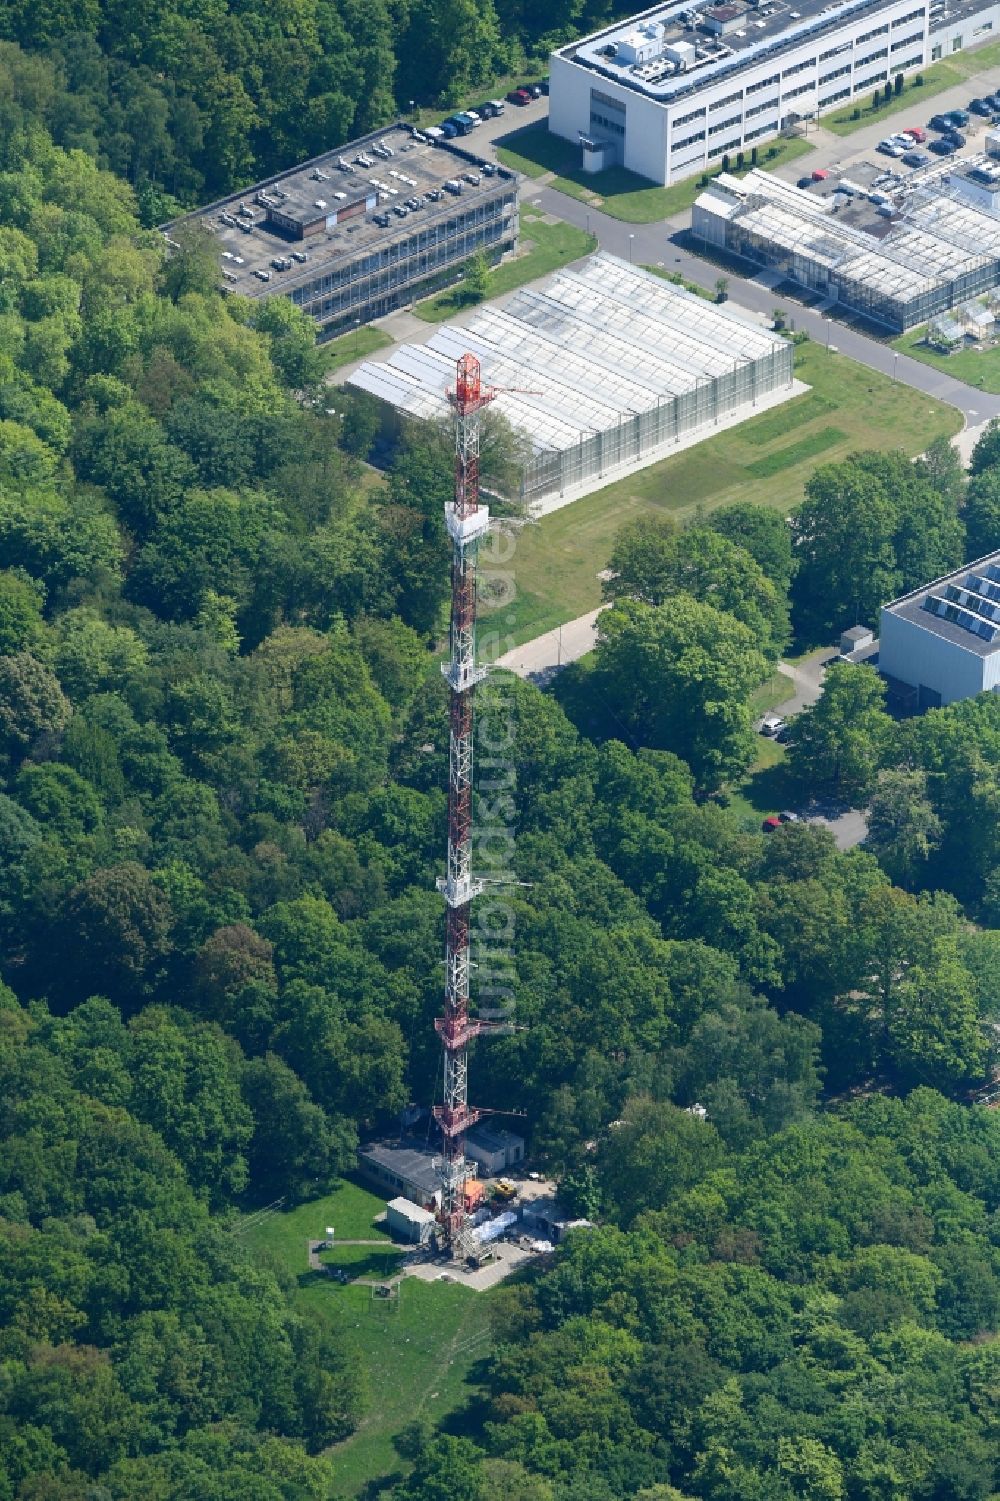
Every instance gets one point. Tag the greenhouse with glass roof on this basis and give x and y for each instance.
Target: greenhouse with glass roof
(604, 368)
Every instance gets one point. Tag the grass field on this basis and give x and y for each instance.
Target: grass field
(766, 788)
(770, 694)
(380, 1262)
(557, 562)
(350, 1209)
(971, 61)
(618, 192)
(354, 346)
(980, 369)
(547, 247)
(937, 77)
(421, 1353)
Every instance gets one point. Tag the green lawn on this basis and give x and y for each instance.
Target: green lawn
(421, 1353)
(354, 346)
(937, 77)
(980, 369)
(557, 561)
(366, 1261)
(770, 694)
(974, 60)
(766, 788)
(545, 247)
(350, 1209)
(618, 192)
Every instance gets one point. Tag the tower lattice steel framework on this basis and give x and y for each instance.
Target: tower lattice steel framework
(467, 522)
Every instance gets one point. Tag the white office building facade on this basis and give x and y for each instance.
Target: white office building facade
(677, 87)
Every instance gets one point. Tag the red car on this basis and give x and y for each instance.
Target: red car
(918, 133)
(519, 96)
(771, 823)
(820, 174)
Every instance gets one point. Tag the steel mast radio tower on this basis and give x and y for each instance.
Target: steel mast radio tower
(467, 522)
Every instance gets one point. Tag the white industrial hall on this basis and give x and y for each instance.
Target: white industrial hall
(605, 368)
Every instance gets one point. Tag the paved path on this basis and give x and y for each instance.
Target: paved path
(807, 679)
(848, 828)
(545, 655)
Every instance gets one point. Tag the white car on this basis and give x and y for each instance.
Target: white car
(891, 147)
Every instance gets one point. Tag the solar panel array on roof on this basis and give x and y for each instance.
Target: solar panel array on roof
(601, 366)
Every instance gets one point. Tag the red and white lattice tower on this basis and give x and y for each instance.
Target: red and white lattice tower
(467, 522)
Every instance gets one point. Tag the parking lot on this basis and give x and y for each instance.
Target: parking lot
(841, 155)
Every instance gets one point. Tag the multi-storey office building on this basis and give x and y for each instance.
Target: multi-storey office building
(683, 84)
(365, 228)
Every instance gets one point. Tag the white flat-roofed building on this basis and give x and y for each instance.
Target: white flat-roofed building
(667, 92)
(410, 1222)
(942, 641)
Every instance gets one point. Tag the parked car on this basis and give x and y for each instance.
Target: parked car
(534, 89)
(957, 117)
(916, 133)
(544, 85)
(787, 816)
(771, 724)
(890, 147)
(519, 96)
(939, 122)
(448, 130)
(804, 182)
(955, 137)
(820, 174)
(916, 158)
(978, 107)
(941, 147)
(485, 111)
(771, 823)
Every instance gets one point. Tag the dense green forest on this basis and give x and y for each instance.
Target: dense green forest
(223, 735)
(188, 101)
